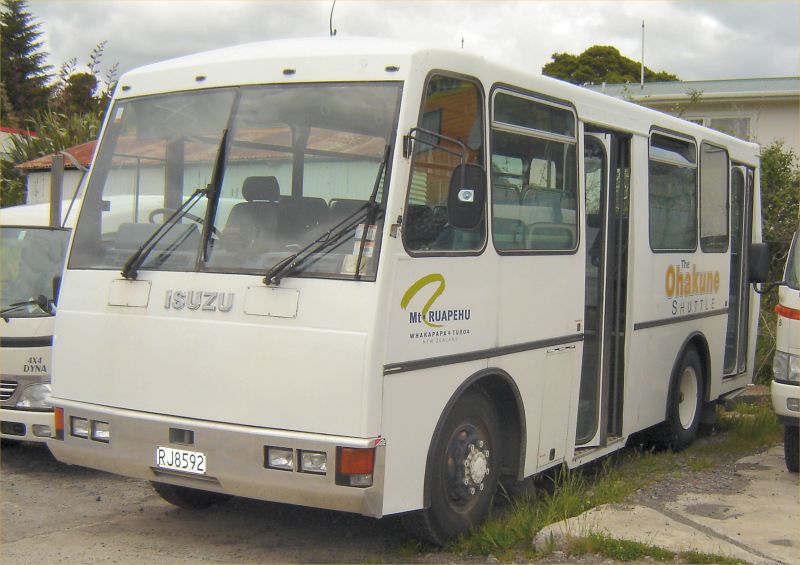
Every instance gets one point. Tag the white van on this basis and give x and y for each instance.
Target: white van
(786, 363)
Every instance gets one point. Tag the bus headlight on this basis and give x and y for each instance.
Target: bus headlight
(35, 395)
(313, 462)
(786, 367)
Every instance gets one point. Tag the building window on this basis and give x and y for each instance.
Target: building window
(737, 126)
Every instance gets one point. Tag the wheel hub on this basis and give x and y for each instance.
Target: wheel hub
(476, 465)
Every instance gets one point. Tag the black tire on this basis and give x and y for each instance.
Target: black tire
(462, 472)
(191, 498)
(791, 447)
(685, 402)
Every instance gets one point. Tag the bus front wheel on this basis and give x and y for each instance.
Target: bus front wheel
(191, 498)
(463, 471)
(685, 402)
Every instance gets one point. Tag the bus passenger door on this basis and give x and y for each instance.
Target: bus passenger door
(607, 177)
(739, 298)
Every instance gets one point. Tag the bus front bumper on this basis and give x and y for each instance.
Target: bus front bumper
(26, 425)
(236, 458)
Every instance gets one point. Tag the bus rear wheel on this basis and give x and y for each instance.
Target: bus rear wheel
(190, 498)
(463, 471)
(685, 402)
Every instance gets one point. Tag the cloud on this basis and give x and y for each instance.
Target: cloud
(695, 40)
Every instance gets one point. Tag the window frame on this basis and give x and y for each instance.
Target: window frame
(539, 98)
(687, 139)
(727, 197)
(422, 253)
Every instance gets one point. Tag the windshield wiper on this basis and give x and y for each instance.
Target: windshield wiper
(135, 261)
(43, 302)
(369, 210)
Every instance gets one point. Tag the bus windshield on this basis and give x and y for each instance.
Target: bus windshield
(31, 257)
(279, 166)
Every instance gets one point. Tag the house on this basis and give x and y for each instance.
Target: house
(763, 110)
(38, 170)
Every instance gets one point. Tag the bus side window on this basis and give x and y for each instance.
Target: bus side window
(672, 194)
(534, 175)
(453, 107)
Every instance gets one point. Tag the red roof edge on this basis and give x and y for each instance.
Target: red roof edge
(15, 131)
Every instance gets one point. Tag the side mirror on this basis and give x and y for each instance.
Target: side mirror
(758, 263)
(467, 196)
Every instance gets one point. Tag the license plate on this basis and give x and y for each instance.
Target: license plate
(181, 460)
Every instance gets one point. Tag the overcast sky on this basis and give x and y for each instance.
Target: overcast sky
(694, 40)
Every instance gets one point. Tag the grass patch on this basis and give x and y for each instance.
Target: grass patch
(624, 550)
(564, 493)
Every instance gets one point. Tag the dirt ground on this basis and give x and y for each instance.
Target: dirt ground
(57, 514)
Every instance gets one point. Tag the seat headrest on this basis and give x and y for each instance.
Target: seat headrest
(261, 188)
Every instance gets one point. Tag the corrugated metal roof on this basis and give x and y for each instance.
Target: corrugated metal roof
(83, 154)
(711, 89)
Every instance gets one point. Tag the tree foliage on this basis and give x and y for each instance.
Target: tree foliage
(24, 72)
(55, 132)
(71, 114)
(780, 201)
(780, 205)
(600, 63)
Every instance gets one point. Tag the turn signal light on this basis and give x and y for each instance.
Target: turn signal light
(355, 461)
(354, 466)
(59, 421)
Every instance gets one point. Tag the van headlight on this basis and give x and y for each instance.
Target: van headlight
(36, 395)
(786, 367)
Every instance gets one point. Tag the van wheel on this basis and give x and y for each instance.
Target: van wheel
(791, 447)
(462, 473)
(191, 498)
(685, 402)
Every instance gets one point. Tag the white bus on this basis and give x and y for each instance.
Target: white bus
(32, 254)
(437, 272)
(785, 387)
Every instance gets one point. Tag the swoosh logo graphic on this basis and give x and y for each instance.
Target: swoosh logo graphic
(434, 278)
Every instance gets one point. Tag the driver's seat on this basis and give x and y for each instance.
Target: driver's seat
(252, 224)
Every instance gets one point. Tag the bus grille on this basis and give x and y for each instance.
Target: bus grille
(7, 389)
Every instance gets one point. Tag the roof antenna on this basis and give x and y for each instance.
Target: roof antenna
(330, 22)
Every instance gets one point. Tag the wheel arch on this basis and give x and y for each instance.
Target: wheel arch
(504, 394)
(697, 341)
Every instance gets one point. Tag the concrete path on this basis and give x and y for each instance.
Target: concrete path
(758, 524)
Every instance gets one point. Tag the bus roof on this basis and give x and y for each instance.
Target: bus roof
(341, 59)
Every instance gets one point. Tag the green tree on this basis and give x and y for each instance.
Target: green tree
(780, 200)
(780, 205)
(79, 92)
(600, 63)
(23, 69)
(55, 132)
